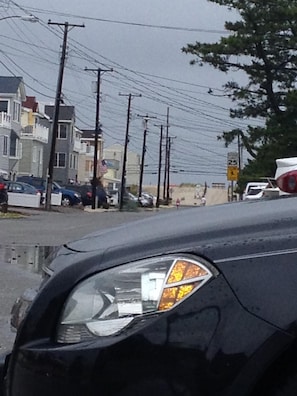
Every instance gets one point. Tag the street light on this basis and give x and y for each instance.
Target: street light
(27, 18)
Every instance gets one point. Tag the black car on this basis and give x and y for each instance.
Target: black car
(86, 192)
(199, 301)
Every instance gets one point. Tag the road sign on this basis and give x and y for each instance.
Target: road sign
(232, 159)
(232, 173)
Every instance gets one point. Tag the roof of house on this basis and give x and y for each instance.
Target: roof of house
(65, 112)
(30, 103)
(10, 85)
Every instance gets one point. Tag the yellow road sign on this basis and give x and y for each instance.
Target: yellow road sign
(232, 173)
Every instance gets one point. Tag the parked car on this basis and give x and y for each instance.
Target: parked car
(20, 187)
(146, 200)
(185, 302)
(69, 197)
(102, 198)
(255, 192)
(86, 192)
(251, 186)
(114, 197)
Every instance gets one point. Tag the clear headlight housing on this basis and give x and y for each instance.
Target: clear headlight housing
(106, 303)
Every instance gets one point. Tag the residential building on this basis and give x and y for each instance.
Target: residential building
(68, 144)
(113, 156)
(86, 159)
(34, 139)
(12, 94)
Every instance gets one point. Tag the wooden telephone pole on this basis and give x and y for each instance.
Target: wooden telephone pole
(123, 178)
(145, 120)
(56, 113)
(97, 130)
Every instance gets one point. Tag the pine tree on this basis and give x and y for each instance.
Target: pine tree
(262, 44)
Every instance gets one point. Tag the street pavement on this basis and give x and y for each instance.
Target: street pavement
(58, 226)
(22, 238)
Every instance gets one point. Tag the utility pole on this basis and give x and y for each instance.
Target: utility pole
(123, 178)
(168, 169)
(56, 113)
(159, 167)
(97, 130)
(166, 158)
(239, 148)
(145, 120)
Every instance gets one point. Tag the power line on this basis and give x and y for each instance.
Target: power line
(120, 22)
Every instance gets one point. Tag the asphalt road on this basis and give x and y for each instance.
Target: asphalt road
(57, 227)
(22, 239)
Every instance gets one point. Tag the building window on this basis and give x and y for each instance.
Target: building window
(89, 166)
(75, 165)
(34, 154)
(13, 146)
(40, 157)
(60, 160)
(5, 145)
(62, 131)
(16, 111)
(72, 161)
(3, 106)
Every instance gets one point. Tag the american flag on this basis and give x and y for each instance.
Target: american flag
(103, 166)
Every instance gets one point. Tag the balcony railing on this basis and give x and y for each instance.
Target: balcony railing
(77, 146)
(37, 132)
(5, 120)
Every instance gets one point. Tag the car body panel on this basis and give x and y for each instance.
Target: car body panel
(217, 342)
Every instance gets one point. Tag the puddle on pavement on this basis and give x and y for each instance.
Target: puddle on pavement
(30, 258)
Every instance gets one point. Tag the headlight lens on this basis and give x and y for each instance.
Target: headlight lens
(109, 301)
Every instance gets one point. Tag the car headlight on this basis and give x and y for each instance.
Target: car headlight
(109, 301)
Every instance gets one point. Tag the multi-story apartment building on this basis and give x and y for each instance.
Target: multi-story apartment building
(68, 144)
(12, 94)
(34, 139)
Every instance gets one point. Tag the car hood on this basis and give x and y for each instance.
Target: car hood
(220, 220)
(213, 231)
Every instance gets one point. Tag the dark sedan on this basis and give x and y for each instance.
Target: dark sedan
(198, 301)
(86, 192)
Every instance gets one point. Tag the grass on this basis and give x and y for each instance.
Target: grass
(11, 215)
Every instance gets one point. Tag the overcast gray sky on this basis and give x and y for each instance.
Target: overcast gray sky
(141, 41)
